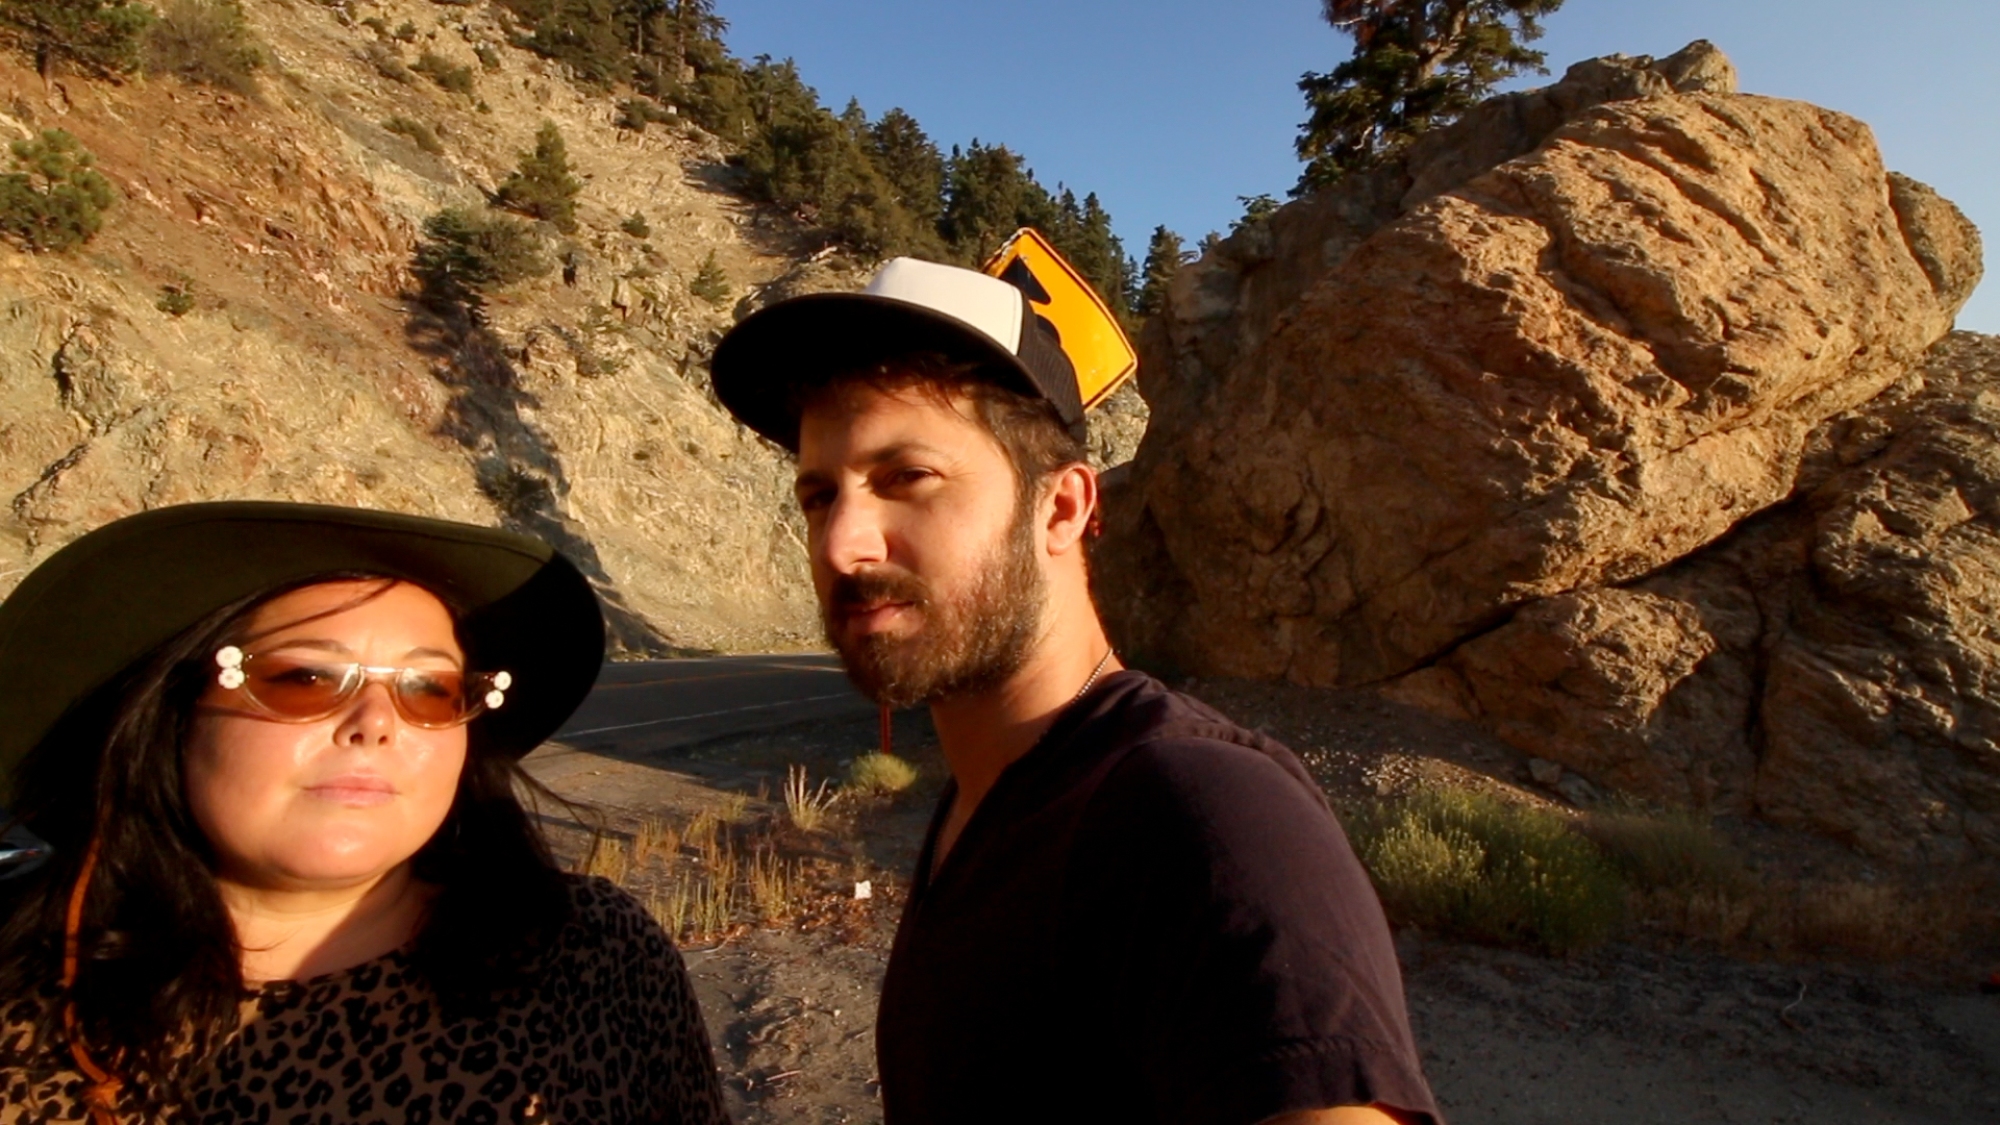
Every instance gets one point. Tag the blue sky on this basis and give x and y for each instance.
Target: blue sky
(1171, 110)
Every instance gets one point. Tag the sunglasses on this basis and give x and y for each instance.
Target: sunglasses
(298, 689)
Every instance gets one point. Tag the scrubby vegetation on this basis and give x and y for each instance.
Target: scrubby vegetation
(466, 253)
(880, 773)
(177, 299)
(636, 225)
(1479, 867)
(1471, 865)
(205, 41)
(422, 135)
(55, 198)
(541, 185)
(437, 68)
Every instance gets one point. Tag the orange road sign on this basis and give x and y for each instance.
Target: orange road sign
(1097, 347)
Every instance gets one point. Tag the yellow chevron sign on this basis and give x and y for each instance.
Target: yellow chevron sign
(1097, 347)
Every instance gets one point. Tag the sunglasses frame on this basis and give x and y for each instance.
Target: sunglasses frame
(485, 691)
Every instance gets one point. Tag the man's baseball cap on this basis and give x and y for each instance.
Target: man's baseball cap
(910, 307)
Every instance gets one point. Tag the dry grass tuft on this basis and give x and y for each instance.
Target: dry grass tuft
(807, 807)
(608, 859)
(655, 837)
(880, 773)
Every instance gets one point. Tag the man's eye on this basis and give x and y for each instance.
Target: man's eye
(904, 478)
(815, 500)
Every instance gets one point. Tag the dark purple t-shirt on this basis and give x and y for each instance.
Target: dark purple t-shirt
(1153, 917)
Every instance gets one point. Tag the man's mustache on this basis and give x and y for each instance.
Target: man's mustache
(857, 591)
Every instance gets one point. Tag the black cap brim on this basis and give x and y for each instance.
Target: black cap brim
(106, 601)
(764, 363)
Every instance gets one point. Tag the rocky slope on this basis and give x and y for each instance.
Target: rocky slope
(1490, 424)
(578, 410)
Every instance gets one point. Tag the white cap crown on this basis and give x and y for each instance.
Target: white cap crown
(986, 303)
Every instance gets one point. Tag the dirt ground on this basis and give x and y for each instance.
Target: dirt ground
(1626, 1033)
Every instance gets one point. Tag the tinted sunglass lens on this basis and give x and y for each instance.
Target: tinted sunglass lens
(297, 689)
(432, 698)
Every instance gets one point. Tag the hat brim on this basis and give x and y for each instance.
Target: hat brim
(108, 600)
(764, 363)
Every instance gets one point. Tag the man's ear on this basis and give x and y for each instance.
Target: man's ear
(1072, 506)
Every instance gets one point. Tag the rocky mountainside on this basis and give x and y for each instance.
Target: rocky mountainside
(305, 370)
(1602, 417)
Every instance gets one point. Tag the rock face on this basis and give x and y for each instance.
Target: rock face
(1597, 418)
(1566, 341)
(1834, 664)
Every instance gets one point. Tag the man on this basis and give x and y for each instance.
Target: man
(1126, 908)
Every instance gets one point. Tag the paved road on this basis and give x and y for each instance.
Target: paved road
(659, 704)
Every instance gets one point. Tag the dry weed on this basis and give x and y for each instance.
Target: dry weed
(807, 807)
(608, 859)
(655, 837)
(773, 884)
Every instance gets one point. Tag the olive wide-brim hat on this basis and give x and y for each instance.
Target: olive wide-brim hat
(109, 599)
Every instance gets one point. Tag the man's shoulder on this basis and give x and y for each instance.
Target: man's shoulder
(1177, 746)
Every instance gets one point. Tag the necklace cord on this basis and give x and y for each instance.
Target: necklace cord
(1094, 673)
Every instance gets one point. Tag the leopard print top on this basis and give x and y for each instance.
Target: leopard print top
(608, 1033)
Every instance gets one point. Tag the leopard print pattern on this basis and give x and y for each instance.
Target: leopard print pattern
(609, 1032)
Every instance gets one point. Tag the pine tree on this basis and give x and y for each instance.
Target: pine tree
(56, 200)
(911, 163)
(98, 37)
(542, 186)
(990, 193)
(1164, 259)
(1417, 64)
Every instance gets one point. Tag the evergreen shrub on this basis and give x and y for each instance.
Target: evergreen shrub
(466, 252)
(541, 184)
(710, 283)
(54, 200)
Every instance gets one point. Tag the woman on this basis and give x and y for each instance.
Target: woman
(275, 749)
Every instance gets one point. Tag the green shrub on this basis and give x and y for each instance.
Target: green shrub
(467, 252)
(407, 33)
(176, 300)
(55, 200)
(635, 225)
(489, 58)
(456, 79)
(98, 37)
(880, 773)
(378, 25)
(205, 41)
(541, 185)
(425, 137)
(1470, 865)
(710, 283)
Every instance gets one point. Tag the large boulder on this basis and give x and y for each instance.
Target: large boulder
(1834, 665)
(1576, 336)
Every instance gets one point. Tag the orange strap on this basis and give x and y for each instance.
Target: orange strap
(100, 1094)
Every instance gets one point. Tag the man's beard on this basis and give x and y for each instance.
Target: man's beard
(965, 644)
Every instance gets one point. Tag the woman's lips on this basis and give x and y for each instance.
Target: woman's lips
(354, 790)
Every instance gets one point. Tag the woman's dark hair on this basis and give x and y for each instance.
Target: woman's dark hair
(160, 982)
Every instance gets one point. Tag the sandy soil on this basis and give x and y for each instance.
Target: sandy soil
(1625, 1033)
